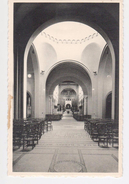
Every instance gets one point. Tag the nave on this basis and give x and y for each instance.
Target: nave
(65, 70)
(66, 148)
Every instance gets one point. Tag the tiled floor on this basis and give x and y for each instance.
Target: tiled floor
(68, 148)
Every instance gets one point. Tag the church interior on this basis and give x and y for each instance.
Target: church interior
(66, 87)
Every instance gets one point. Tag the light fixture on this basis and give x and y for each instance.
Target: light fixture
(42, 72)
(29, 76)
(95, 73)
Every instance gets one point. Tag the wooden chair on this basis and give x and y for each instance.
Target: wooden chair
(17, 134)
(94, 131)
(30, 136)
(28, 141)
(115, 138)
(102, 135)
(49, 125)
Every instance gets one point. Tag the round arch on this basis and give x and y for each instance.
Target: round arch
(76, 78)
(36, 69)
(102, 80)
(72, 61)
(71, 88)
(61, 19)
(61, 79)
(68, 71)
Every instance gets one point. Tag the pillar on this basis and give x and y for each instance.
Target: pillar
(85, 104)
(51, 103)
(15, 115)
(19, 84)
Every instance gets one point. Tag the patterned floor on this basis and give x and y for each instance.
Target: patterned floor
(68, 148)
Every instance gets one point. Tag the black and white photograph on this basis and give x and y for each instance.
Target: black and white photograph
(65, 96)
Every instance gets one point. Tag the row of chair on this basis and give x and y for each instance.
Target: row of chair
(28, 132)
(53, 117)
(80, 117)
(103, 131)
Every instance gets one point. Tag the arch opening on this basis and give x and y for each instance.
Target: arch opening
(33, 80)
(74, 77)
(108, 105)
(105, 81)
(70, 78)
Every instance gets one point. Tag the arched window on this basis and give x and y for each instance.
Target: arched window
(29, 102)
(108, 105)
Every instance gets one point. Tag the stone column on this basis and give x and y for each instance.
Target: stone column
(51, 103)
(85, 104)
(95, 95)
(15, 77)
(21, 104)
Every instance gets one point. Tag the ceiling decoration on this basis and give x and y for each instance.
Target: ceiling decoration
(69, 41)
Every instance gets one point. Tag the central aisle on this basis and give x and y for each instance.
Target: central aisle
(67, 113)
(68, 148)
